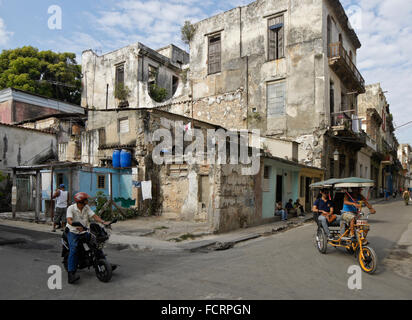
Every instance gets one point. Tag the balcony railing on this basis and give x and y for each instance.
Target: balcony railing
(347, 120)
(337, 51)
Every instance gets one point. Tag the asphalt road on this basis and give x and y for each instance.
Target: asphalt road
(282, 266)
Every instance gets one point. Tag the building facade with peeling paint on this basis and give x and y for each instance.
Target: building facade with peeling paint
(287, 68)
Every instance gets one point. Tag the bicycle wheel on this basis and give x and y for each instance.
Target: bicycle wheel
(369, 261)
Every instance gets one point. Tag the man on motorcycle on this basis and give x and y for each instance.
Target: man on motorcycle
(351, 207)
(324, 207)
(78, 212)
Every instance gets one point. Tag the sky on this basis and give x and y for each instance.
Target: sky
(384, 28)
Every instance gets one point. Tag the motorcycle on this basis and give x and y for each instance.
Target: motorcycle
(358, 245)
(90, 250)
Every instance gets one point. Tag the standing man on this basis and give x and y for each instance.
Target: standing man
(61, 207)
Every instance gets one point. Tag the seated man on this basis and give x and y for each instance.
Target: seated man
(351, 207)
(279, 211)
(289, 207)
(297, 206)
(324, 207)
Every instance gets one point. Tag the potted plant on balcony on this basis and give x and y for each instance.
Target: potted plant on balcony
(121, 93)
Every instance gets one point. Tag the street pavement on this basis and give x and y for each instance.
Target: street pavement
(284, 265)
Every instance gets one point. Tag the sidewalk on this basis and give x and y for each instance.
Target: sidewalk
(158, 233)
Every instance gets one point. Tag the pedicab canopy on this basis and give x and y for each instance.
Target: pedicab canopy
(344, 183)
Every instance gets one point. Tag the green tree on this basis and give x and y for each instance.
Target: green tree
(187, 32)
(51, 74)
(157, 93)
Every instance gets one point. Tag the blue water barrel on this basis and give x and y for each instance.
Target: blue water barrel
(116, 159)
(125, 159)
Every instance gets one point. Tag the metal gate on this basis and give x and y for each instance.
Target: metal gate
(24, 194)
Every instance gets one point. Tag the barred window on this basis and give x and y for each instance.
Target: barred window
(101, 182)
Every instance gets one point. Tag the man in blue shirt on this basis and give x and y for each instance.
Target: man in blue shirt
(324, 207)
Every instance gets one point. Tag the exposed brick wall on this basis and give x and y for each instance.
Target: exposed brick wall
(5, 112)
(25, 111)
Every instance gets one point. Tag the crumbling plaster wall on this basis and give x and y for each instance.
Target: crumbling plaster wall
(100, 71)
(20, 146)
(245, 67)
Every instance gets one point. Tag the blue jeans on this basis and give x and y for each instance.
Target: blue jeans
(282, 213)
(73, 240)
(325, 223)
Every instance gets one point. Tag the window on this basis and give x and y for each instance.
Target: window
(124, 125)
(266, 173)
(101, 182)
(102, 137)
(153, 72)
(266, 179)
(275, 38)
(175, 83)
(329, 31)
(331, 168)
(120, 74)
(302, 187)
(276, 99)
(332, 97)
(60, 179)
(214, 55)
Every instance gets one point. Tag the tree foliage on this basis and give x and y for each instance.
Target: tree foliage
(47, 73)
(157, 93)
(188, 31)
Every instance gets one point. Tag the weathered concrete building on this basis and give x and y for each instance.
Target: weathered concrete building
(217, 193)
(22, 146)
(273, 65)
(377, 120)
(143, 77)
(67, 127)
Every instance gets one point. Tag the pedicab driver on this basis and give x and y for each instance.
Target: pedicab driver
(78, 212)
(351, 207)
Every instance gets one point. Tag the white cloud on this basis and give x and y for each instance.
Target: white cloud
(4, 34)
(386, 37)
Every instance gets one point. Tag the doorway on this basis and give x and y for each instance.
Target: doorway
(308, 200)
(279, 189)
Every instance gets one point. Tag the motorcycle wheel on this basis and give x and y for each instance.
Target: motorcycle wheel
(103, 270)
(370, 261)
(321, 241)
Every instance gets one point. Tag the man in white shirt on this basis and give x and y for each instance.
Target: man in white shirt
(61, 206)
(78, 212)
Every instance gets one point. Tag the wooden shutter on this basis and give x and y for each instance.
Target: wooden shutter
(275, 38)
(124, 125)
(214, 59)
(276, 99)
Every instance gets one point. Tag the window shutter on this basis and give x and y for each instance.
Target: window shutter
(214, 61)
(124, 125)
(276, 99)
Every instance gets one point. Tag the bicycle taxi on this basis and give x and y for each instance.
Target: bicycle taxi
(357, 245)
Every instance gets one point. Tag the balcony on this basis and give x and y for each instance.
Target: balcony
(347, 128)
(341, 63)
